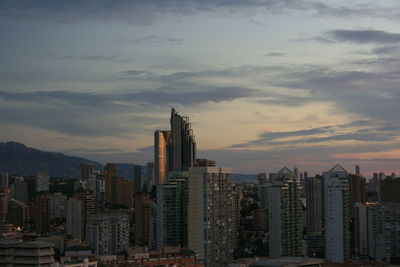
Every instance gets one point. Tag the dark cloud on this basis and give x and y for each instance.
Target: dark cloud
(163, 96)
(274, 54)
(151, 39)
(146, 12)
(364, 36)
(343, 132)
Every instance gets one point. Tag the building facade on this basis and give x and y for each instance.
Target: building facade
(337, 215)
(210, 215)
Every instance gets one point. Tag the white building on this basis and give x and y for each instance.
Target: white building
(337, 215)
(210, 215)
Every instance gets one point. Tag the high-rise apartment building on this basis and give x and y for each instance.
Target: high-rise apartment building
(392, 225)
(138, 178)
(4, 179)
(85, 170)
(20, 191)
(183, 150)
(150, 172)
(42, 182)
(58, 202)
(162, 152)
(262, 178)
(389, 189)
(18, 213)
(357, 189)
(144, 213)
(337, 214)
(210, 215)
(379, 240)
(285, 215)
(4, 198)
(110, 172)
(74, 218)
(172, 205)
(315, 203)
(108, 232)
(88, 199)
(42, 213)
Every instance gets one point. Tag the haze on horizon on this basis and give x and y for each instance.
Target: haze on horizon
(266, 83)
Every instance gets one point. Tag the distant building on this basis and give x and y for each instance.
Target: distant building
(315, 203)
(144, 213)
(110, 172)
(108, 233)
(172, 211)
(58, 202)
(20, 191)
(150, 172)
(42, 213)
(42, 182)
(162, 152)
(389, 189)
(4, 198)
(357, 189)
(262, 178)
(392, 226)
(236, 198)
(88, 199)
(204, 163)
(260, 219)
(211, 231)
(357, 169)
(285, 215)
(74, 218)
(18, 213)
(4, 179)
(379, 239)
(337, 215)
(138, 178)
(85, 170)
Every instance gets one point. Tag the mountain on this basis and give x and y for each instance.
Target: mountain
(18, 159)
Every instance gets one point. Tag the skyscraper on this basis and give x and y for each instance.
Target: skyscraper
(162, 148)
(211, 231)
(183, 152)
(285, 214)
(337, 214)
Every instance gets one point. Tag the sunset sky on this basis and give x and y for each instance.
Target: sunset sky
(266, 83)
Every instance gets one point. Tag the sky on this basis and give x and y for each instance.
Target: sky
(266, 83)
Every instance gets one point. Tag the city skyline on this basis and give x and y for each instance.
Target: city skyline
(265, 83)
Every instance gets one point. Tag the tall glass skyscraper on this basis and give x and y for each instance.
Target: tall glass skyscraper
(183, 153)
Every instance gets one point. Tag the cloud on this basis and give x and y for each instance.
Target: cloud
(151, 39)
(147, 12)
(364, 36)
(274, 54)
(354, 131)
